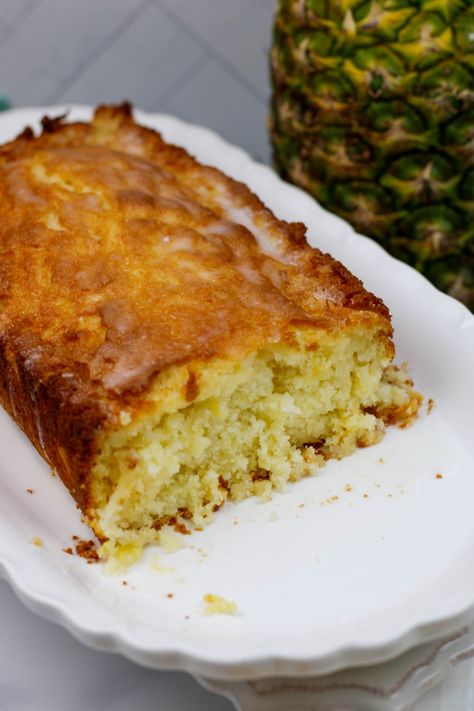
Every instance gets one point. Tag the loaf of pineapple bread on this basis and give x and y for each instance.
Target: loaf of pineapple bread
(166, 343)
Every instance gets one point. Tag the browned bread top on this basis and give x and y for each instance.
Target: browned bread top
(121, 255)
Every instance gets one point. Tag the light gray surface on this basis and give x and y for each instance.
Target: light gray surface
(205, 61)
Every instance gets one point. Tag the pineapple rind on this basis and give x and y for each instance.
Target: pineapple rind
(373, 114)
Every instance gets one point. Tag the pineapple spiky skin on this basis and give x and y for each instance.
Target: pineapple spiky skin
(373, 114)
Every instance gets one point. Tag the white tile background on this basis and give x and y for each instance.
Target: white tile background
(206, 61)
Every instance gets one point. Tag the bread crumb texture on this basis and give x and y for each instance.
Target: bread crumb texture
(256, 425)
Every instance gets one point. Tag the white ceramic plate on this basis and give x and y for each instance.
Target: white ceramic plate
(320, 582)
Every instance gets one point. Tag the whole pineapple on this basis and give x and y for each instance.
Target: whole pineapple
(373, 114)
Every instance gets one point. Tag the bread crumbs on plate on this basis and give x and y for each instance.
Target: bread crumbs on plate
(218, 605)
(37, 541)
(87, 550)
(329, 500)
(438, 475)
(84, 549)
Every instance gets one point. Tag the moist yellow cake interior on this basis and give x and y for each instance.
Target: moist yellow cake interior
(256, 424)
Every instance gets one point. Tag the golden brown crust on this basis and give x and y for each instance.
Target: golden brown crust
(120, 255)
(59, 415)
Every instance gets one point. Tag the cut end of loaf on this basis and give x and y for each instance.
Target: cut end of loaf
(252, 427)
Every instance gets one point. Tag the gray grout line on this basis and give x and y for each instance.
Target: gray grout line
(185, 77)
(82, 67)
(211, 51)
(11, 29)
